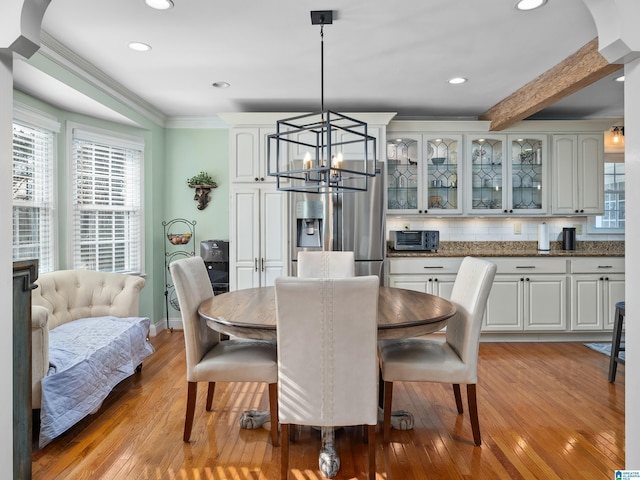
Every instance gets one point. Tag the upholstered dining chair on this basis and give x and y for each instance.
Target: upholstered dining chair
(453, 359)
(327, 356)
(210, 360)
(326, 264)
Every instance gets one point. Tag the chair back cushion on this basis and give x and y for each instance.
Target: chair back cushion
(327, 358)
(326, 264)
(73, 294)
(193, 287)
(470, 292)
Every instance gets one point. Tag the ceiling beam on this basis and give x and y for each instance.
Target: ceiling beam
(575, 72)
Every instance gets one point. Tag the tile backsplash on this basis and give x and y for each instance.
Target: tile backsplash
(496, 229)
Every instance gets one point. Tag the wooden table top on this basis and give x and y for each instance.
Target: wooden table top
(251, 313)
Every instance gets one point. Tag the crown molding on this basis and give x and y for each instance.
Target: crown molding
(195, 122)
(62, 56)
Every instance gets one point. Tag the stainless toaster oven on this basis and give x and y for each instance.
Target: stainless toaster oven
(421, 240)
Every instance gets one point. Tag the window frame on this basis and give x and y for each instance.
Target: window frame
(592, 229)
(37, 120)
(112, 139)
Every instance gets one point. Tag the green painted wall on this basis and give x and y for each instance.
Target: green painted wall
(189, 151)
(171, 156)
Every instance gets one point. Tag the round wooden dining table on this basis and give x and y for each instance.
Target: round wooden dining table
(251, 313)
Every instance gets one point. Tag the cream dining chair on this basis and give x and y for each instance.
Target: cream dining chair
(210, 360)
(327, 356)
(453, 359)
(326, 264)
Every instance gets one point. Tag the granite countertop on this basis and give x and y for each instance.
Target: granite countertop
(516, 249)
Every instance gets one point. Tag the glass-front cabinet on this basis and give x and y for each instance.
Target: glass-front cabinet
(403, 184)
(440, 174)
(486, 173)
(507, 174)
(422, 174)
(528, 165)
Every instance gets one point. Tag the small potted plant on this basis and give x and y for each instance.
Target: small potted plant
(202, 179)
(202, 183)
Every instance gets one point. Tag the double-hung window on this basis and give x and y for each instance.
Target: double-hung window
(33, 187)
(106, 206)
(613, 220)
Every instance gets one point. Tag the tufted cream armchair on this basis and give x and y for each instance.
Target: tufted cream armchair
(67, 295)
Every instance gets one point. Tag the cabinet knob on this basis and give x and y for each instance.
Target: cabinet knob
(601, 278)
(521, 279)
(435, 279)
(577, 211)
(419, 211)
(581, 211)
(527, 279)
(255, 179)
(262, 179)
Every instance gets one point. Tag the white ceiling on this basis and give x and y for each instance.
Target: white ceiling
(379, 55)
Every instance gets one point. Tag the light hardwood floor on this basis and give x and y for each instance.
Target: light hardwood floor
(546, 412)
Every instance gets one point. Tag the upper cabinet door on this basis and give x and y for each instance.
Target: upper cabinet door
(248, 152)
(245, 154)
(486, 166)
(578, 174)
(441, 175)
(527, 177)
(404, 188)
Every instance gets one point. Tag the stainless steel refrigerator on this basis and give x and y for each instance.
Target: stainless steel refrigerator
(349, 221)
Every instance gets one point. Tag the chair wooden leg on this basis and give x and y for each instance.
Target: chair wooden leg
(284, 453)
(192, 390)
(456, 393)
(210, 391)
(273, 408)
(386, 422)
(372, 452)
(473, 413)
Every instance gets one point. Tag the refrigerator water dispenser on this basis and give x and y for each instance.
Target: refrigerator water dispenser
(309, 224)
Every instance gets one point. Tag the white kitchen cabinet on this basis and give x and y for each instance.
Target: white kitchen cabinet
(259, 246)
(506, 174)
(430, 275)
(422, 174)
(528, 294)
(578, 174)
(596, 285)
(248, 151)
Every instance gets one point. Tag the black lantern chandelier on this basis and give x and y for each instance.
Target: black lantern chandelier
(324, 151)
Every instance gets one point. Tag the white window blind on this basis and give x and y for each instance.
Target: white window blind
(106, 205)
(33, 194)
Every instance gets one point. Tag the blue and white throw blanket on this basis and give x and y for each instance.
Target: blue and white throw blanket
(87, 358)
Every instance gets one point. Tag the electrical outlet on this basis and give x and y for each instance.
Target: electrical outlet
(578, 227)
(517, 228)
(406, 226)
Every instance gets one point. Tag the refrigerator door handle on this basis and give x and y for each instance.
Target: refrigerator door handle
(255, 264)
(262, 266)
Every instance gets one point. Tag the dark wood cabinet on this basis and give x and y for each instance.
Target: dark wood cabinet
(24, 275)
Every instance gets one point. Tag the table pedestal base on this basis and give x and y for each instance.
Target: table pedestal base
(328, 461)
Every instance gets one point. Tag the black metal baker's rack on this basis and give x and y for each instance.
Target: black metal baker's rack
(179, 242)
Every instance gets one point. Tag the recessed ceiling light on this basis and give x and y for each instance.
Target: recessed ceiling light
(620, 79)
(221, 84)
(529, 4)
(159, 4)
(139, 46)
(457, 80)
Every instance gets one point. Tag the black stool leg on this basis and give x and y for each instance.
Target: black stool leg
(615, 344)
